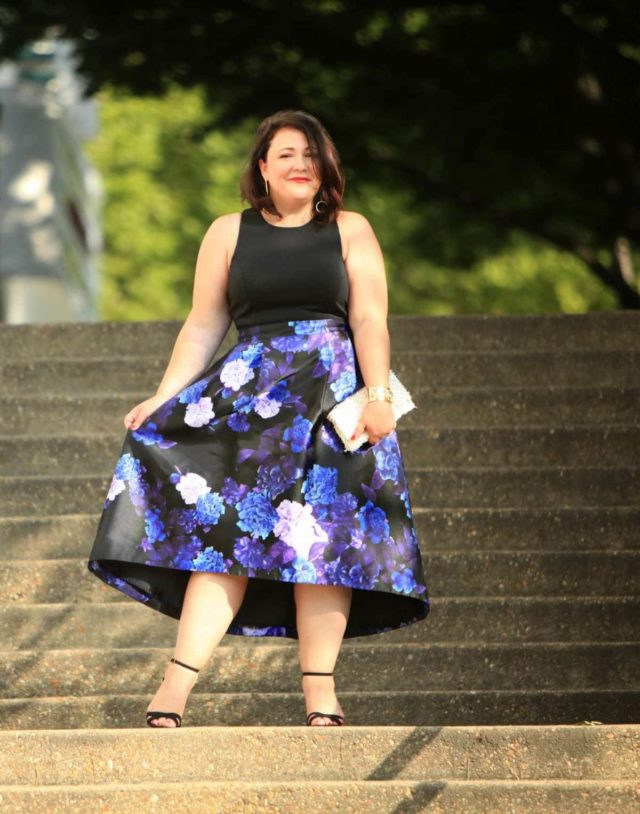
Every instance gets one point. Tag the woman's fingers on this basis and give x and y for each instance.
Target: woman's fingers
(132, 418)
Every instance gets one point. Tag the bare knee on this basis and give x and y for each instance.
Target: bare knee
(325, 597)
(218, 577)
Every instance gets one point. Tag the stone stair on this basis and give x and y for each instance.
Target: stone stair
(518, 693)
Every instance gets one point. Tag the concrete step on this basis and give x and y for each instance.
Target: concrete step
(613, 330)
(77, 454)
(451, 620)
(463, 573)
(414, 368)
(441, 408)
(587, 528)
(294, 754)
(361, 667)
(513, 487)
(66, 340)
(332, 797)
(412, 708)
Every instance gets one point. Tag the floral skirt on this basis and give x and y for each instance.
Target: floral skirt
(241, 473)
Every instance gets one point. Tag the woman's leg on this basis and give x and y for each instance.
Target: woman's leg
(322, 612)
(210, 603)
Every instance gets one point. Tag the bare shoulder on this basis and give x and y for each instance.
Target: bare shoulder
(352, 221)
(224, 230)
(353, 227)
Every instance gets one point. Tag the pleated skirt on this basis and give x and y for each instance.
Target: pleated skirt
(241, 473)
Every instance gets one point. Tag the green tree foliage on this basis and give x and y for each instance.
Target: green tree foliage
(492, 132)
(164, 184)
(167, 175)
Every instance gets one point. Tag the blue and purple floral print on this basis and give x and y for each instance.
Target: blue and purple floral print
(241, 473)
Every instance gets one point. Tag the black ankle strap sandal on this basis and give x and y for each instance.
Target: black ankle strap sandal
(153, 715)
(339, 719)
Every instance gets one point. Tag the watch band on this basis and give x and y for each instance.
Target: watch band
(379, 393)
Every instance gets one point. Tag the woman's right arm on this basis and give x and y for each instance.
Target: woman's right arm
(206, 324)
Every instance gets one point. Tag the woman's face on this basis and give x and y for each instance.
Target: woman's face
(289, 158)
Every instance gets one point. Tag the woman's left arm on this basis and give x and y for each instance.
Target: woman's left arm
(368, 304)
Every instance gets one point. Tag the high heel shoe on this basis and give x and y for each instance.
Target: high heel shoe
(339, 719)
(153, 715)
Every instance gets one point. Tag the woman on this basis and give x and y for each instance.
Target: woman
(234, 506)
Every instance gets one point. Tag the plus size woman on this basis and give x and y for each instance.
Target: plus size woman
(234, 506)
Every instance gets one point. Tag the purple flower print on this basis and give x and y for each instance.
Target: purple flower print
(192, 393)
(183, 519)
(279, 553)
(266, 407)
(232, 492)
(199, 413)
(209, 508)
(288, 344)
(128, 468)
(321, 484)
(210, 560)
(249, 552)
(147, 434)
(387, 458)
(331, 438)
(238, 422)
(154, 526)
(279, 392)
(373, 521)
(403, 580)
(256, 514)
(327, 355)
(115, 487)
(344, 385)
(236, 373)
(273, 479)
(192, 486)
(299, 433)
(305, 326)
(344, 506)
(252, 354)
(298, 527)
(242, 473)
(299, 570)
(244, 404)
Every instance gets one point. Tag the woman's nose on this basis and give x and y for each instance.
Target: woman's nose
(304, 165)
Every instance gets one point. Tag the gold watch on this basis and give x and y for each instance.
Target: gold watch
(379, 393)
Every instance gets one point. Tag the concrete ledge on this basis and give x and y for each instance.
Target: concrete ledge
(333, 797)
(417, 708)
(320, 753)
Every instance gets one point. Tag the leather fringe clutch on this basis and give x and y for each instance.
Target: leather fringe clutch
(346, 414)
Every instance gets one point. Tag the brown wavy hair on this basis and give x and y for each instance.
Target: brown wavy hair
(327, 164)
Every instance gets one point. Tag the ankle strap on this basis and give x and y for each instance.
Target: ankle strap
(317, 674)
(182, 664)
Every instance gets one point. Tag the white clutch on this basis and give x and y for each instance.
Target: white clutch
(346, 414)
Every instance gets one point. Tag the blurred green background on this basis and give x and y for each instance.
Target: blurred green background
(494, 146)
(164, 186)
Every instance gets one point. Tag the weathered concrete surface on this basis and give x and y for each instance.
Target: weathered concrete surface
(332, 797)
(409, 708)
(275, 668)
(524, 469)
(452, 619)
(320, 753)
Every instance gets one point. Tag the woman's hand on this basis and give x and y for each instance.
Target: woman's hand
(141, 411)
(377, 420)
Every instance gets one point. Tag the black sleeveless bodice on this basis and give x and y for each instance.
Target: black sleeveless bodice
(279, 273)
